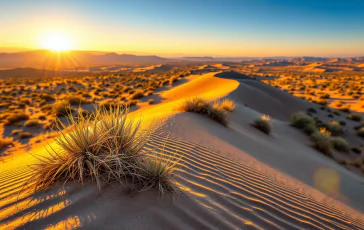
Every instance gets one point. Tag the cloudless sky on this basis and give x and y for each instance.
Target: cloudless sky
(190, 27)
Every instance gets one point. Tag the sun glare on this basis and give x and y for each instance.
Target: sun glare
(56, 42)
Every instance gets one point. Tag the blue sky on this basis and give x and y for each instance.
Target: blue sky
(199, 27)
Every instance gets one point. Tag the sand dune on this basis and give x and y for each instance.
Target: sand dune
(233, 178)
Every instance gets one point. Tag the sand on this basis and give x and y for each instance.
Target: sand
(234, 178)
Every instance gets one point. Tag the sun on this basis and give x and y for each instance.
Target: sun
(56, 41)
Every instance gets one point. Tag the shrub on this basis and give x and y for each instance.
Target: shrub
(264, 124)
(32, 123)
(137, 94)
(158, 172)
(61, 108)
(16, 131)
(227, 104)
(104, 146)
(23, 135)
(354, 117)
(312, 110)
(16, 117)
(150, 101)
(340, 144)
(304, 122)
(335, 128)
(5, 142)
(204, 107)
(360, 132)
(356, 150)
(322, 142)
(76, 100)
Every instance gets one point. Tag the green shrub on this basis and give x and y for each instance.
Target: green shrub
(322, 142)
(304, 122)
(355, 117)
(340, 144)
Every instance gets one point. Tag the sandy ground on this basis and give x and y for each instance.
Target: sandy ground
(234, 178)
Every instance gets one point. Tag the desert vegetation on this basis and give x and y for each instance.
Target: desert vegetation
(34, 104)
(264, 124)
(216, 110)
(105, 146)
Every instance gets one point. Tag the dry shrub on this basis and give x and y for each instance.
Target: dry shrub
(103, 146)
(264, 124)
(204, 107)
(227, 104)
(158, 171)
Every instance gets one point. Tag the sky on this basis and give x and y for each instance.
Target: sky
(188, 27)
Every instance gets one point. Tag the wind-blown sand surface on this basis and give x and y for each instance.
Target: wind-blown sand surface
(234, 178)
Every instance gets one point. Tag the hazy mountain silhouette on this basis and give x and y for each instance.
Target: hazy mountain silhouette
(45, 59)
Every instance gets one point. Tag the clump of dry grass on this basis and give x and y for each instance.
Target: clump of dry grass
(158, 171)
(264, 124)
(227, 104)
(204, 107)
(103, 146)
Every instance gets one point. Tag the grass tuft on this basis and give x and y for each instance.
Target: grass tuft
(102, 146)
(264, 124)
(157, 171)
(204, 107)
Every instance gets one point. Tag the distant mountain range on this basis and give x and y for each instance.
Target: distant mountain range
(45, 59)
(72, 60)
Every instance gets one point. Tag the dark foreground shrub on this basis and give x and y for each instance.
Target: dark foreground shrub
(264, 124)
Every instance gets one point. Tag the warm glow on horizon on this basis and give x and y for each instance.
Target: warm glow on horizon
(56, 41)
